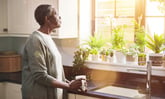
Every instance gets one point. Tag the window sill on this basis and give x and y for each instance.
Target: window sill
(156, 70)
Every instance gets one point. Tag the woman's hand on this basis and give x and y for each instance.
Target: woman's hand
(75, 84)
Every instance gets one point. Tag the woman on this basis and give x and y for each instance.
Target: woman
(42, 71)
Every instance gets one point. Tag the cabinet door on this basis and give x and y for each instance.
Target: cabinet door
(2, 91)
(21, 15)
(68, 10)
(3, 19)
(32, 5)
(13, 91)
(71, 96)
(17, 16)
(85, 97)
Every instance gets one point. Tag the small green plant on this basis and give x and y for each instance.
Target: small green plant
(79, 67)
(95, 42)
(140, 35)
(141, 55)
(156, 43)
(80, 56)
(142, 59)
(118, 41)
(104, 52)
(133, 50)
(94, 51)
(110, 51)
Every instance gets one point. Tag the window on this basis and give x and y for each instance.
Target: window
(106, 14)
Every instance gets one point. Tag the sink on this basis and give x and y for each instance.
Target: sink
(121, 91)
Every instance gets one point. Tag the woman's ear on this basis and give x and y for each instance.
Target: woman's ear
(47, 19)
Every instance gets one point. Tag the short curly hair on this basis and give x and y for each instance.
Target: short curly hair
(41, 12)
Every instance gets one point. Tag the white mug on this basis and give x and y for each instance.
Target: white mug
(83, 87)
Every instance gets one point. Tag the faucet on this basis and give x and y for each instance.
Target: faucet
(148, 77)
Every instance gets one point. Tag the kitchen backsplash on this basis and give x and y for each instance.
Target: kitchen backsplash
(65, 46)
(5, 43)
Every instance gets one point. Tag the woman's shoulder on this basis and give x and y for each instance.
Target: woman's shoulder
(35, 37)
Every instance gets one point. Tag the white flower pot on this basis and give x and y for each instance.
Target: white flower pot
(94, 57)
(119, 57)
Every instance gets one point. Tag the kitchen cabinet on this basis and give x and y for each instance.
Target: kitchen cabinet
(71, 96)
(77, 96)
(10, 91)
(13, 91)
(85, 97)
(2, 91)
(19, 19)
(3, 19)
(17, 16)
(68, 10)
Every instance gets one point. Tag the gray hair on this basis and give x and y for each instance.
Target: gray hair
(41, 12)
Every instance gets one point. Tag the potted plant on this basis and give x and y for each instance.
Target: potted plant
(79, 67)
(132, 53)
(140, 41)
(118, 43)
(110, 52)
(94, 53)
(141, 59)
(156, 44)
(94, 43)
(104, 53)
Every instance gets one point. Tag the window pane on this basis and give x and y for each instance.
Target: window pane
(152, 9)
(129, 30)
(155, 25)
(104, 14)
(125, 7)
(109, 13)
(104, 8)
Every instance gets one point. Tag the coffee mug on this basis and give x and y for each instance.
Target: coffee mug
(83, 87)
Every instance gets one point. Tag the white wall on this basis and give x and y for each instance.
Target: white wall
(67, 48)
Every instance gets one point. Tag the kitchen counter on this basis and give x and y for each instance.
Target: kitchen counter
(123, 80)
(93, 86)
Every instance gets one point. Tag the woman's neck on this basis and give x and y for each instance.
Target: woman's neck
(45, 30)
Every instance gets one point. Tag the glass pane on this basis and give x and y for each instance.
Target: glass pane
(155, 25)
(104, 14)
(152, 9)
(129, 30)
(105, 18)
(104, 8)
(125, 7)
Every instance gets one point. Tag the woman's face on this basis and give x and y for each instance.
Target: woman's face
(54, 20)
